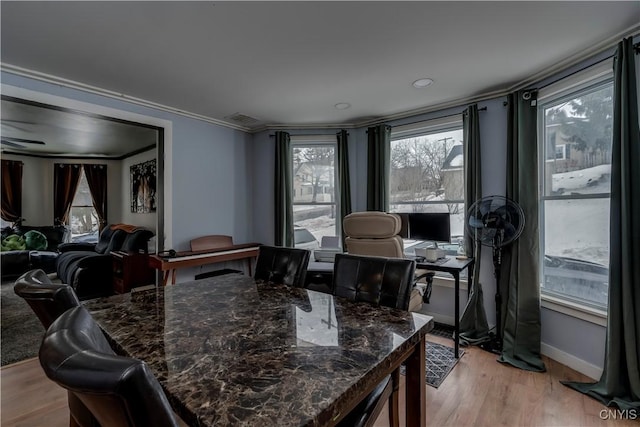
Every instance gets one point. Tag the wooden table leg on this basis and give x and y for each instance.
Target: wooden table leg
(173, 276)
(416, 391)
(165, 278)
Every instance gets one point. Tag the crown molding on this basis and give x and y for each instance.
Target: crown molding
(71, 84)
(596, 49)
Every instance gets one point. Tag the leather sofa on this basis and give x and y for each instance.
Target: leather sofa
(15, 263)
(88, 268)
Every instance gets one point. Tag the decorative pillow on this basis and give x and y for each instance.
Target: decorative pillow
(13, 243)
(35, 240)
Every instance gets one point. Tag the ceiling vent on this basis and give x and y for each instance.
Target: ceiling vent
(242, 119)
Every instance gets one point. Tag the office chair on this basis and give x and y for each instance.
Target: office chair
(375, 233)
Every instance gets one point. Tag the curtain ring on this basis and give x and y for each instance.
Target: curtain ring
(526, 96)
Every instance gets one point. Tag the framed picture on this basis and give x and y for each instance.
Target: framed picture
(143, 187)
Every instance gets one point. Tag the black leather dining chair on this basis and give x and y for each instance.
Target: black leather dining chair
(119, 391)
(46, 299)
(378, 281)
(286, 266)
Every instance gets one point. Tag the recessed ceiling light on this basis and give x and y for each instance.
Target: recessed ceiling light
(422, 83)
(342, 105)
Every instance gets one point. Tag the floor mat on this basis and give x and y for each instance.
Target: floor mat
(439, 362)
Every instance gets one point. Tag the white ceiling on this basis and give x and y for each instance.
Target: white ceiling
(289, 63)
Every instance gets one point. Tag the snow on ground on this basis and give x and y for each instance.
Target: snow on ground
(579, 228)
(580, 179)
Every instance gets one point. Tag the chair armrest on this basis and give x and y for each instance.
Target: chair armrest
(68, 247)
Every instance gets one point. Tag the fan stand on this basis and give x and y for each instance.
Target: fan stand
(494, 345)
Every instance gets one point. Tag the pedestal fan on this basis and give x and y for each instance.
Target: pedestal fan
(495, 221)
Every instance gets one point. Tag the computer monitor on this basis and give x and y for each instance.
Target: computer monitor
(435, 227)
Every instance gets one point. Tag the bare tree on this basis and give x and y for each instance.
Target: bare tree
(319, 160)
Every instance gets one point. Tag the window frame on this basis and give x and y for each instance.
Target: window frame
(426, 128)
(309, 141)
(591, 79)
(92, 207)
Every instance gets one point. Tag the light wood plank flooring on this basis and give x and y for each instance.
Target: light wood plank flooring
(478, 392)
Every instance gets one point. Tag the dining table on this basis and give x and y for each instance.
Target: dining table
(229, 350)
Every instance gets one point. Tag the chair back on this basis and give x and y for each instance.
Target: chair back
(214, 241)
(109, 240)
(376, 280)
(373, 234)
(46, 299)
(119, 391)
(286, 266)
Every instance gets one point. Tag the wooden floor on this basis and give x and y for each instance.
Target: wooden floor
(478, 392)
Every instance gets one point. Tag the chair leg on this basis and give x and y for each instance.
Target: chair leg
(427, 291)
(394, 401)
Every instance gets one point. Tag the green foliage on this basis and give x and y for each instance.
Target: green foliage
(586, 121)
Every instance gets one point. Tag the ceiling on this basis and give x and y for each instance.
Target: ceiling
(40, 130)
(255, 65)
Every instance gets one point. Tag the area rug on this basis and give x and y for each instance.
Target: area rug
(439, 362)
(20, 329)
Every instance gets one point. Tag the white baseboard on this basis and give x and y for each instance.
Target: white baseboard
(585, 368)
(438, 317)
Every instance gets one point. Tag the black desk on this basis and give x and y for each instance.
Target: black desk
(453, 266)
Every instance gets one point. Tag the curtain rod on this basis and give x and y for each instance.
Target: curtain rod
(440, 117)
(271, 135)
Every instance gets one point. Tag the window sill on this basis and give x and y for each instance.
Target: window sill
(599, 317)
(449, 282)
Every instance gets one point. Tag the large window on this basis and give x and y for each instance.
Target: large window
(575, 168)
(82, 217)
(314, 191)
(427, 173)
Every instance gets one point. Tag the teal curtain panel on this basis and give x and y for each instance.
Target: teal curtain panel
(343, 178)
(378, 157)
(474, 328)
(619, 384)
(283, 182)
(520, 284)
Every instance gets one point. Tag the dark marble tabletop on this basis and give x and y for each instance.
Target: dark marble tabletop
(230, 351)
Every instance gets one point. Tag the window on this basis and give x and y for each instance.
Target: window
(82, 217)
(575, 168)
(314, 190)
(427, 172)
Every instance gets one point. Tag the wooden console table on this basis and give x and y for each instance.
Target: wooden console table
(168, 265)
